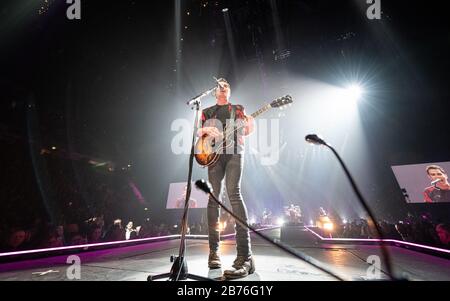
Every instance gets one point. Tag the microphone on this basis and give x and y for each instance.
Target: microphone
(433, 183)
(207, 92)
(219, 83)
(203, 186)
(315, 139)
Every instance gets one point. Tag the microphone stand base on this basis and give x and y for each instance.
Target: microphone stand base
(175, 271)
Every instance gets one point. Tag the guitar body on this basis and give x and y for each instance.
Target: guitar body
(204, 152)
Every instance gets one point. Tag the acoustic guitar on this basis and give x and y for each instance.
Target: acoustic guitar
(208, 149)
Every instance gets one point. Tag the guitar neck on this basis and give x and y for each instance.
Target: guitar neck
(241, 123)
(276, 103)
(262, 110)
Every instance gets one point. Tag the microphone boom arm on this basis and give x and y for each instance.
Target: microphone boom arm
(200, 96)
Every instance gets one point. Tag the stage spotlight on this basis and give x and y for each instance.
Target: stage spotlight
(328, 226)
(338, 103)
(222, 226)
(353, 92)
(280, 221)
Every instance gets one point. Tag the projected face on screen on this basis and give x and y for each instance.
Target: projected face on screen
(177, 197)
(439, 191)
(435, 172)
(182, 200)
(424, 183)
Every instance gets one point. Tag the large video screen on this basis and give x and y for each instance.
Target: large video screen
(177, 197)
(424, 183)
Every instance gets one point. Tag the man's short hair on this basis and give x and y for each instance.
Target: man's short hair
(223, 80)
(435, 167)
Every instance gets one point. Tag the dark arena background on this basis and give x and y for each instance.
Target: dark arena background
(96, 136)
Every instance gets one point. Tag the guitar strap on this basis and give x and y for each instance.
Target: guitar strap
(233, 113)
(233, 124)
(233, 119)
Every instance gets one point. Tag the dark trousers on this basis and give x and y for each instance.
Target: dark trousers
(228, 167)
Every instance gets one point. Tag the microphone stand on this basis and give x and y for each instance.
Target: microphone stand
(196, 99)
(179, 270)
(206, 187)
(317, 140)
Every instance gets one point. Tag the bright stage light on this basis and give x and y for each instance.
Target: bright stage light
(349, 95)
(353, 92)
(222, 226)
(328, 226)
(335, 103)
(280, 221)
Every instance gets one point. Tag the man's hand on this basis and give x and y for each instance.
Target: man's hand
(249, 124)
(249, 119)
(209, 131)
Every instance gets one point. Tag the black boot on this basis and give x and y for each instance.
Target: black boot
(214, 260)
(242, 267)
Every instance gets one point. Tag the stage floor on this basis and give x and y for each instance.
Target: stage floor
(137, 262)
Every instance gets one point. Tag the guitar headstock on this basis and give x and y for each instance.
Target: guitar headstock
(281, 101)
